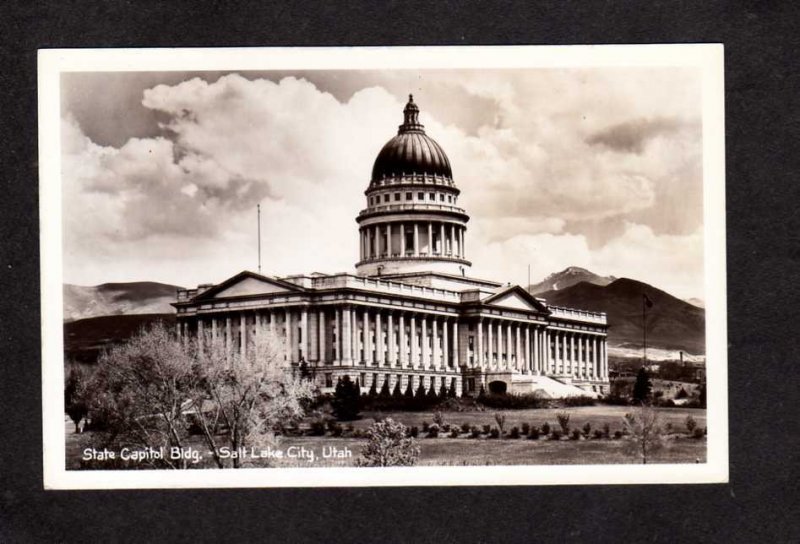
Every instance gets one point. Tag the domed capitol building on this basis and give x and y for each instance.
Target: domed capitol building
(411, 312)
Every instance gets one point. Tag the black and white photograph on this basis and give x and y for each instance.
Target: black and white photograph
(383, 266)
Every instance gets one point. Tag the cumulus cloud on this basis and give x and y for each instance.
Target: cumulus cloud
(631, 136)
(532, 163)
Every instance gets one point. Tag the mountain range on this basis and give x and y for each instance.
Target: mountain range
(567, 278)
(672, 324)
(141, 297)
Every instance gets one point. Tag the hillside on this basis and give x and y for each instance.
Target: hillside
(672, 324)
(567, 278)
(144, 297)
(85, 339)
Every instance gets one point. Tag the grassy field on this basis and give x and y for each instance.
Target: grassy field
(444, 450)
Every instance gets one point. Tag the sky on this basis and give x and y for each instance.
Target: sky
(589, 167)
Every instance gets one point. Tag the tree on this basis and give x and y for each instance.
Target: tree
(388, 444)
(140, 395)
(346, 400)
(702, 397)
(409, 394)
(250, 392)
(451, 393)
(645, 434)
(373, 390)
(397, 393)
(75, 403)
(641, 389)
(385, 394)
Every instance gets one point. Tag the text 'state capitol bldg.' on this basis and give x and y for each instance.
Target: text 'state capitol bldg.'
(411, 312)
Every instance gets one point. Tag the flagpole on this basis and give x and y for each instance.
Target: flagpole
(259, 238)
(644, 328)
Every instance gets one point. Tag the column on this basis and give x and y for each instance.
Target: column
(416, 239)
(228, 342)
(479, 358)
(354, 336)
(463, 244)
(445, 344)
(490, 344)
(572, 359)
(201, 339)
(546, 347)
(426, 349)
(430, 238)
(604, 345)
(289, 340)
(337, 346)
(508, 346)
(414, 345)
(441, 239)
(379, 351)
(304, 343)
(389, 239)
(367, 341)
(401, 322)
(321, 332)
(436, 352)
(390, 339)
(402, 239)
(537, 359)
(213, 329)
(347, 353)
(528, 366)
(377, 240)
(456, 362)
(243, 334)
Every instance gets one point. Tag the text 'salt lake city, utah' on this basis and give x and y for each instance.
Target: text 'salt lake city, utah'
(383, 266)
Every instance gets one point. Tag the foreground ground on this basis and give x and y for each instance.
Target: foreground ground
(481, 451)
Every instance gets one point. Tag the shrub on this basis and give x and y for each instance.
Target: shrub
(682, 394)
(501, 422)
(587, 430)
(385, 393)
(397, 393)
(606, 431)
(526, 428)
(454, 432)
(511, 401)
(617, 435)
(555, 435)
(514, 433)
(563, 421)
(575, 435)
(433, 430)
(534, 433)
(346, 401)
(581, 400)
(413, 432)
(446, 427)
(388, 445)
(546, 429)
(598, 434)
(358, 433)
(465, 427)
(698, 433)
(438, 418)
(486, 429)
(475, 432)
(337, 430)
(494, 433)
(691, 424)
(349, 428)
(317, 427)
(425, 426)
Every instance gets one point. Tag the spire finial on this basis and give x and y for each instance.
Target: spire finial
(411, 114)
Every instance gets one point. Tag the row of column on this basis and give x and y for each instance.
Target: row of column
(347, 335)
(406, 239)
(579, 354)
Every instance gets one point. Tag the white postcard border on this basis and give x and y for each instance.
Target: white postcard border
(706, 57)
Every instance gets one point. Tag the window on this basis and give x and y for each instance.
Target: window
(328, 379)
(409, 196)
(396, 197)
(386, 198)
(441, 197)
(421, 196)
(432, 196)
(450, 198)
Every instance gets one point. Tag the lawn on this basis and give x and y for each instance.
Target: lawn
(482, 451)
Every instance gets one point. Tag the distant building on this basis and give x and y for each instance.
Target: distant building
(410, 313)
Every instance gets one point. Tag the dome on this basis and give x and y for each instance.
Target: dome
(411, 151)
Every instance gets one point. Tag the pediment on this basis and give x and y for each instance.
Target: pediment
(248, 284)
(516, 298)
